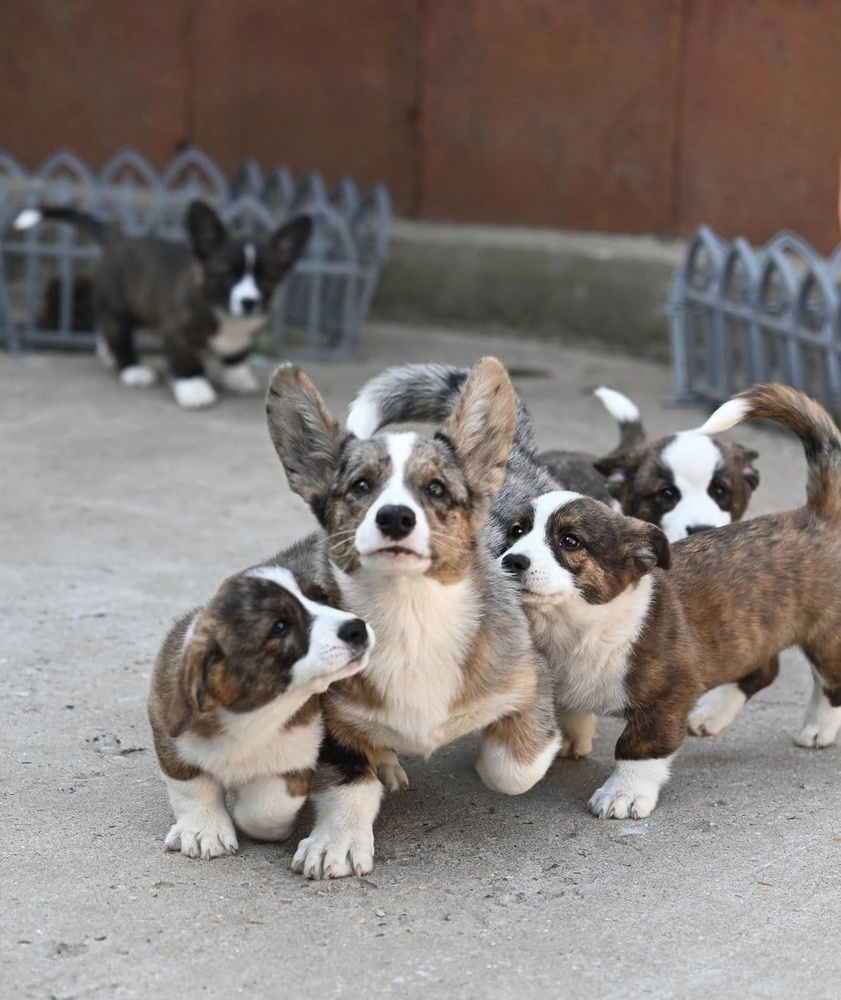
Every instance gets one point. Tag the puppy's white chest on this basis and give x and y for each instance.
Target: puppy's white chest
(425, 631)
(588, 648)
(253, 745)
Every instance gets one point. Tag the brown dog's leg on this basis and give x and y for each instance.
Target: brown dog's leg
(720, 706)
(644, 754)
(823, 713)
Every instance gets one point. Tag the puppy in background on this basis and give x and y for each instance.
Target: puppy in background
(684, 483)
(206, 299)
(626, 639)
(235, 702)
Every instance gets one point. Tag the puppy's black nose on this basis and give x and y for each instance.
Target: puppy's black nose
(395, 520)
(354, 632)
(249, 306)
(516, 563)
(696, 529)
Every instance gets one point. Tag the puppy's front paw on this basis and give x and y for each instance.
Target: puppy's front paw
(577, 729)
(328, 855)
(716, 710)
(632, 790)
(193, 393)
(209, 842)
(138, 376)
(391, 774)
(239, 378)
(816, 737)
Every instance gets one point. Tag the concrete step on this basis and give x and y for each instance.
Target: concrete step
(577, 288)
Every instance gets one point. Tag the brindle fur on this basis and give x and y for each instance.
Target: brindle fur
(733, 599)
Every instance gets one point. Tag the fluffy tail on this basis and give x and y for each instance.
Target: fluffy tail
(809, 421)
(625, 412)
(89, 224)
(424, 392)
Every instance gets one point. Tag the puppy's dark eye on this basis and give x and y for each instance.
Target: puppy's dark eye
(436, 489)
(361, 486)
(719, 491)
(570, 542)
(280, 628)
(668, 496)
(516, 531)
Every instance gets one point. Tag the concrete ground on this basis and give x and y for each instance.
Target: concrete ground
(119, 511)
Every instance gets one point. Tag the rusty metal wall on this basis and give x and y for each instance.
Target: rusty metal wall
(644, 116)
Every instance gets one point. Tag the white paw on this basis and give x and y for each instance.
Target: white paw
(328, 854)
(816, 736)
(822, 721)
(103, 352)
(210, 842)
(502, 771)
(716, 710)
(632, 790)
(239, 378)
(138, 376)
(193, 393)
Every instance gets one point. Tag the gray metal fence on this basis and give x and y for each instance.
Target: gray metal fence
(45, 272)
(740, 315)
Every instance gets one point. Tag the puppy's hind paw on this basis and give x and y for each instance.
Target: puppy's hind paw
(211, 842)
(193, 393)
(716, 710)
(813, 737)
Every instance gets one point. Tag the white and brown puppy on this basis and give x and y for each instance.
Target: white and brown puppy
(403, 515)
(684, 483)
(235, 699)
(626, 639)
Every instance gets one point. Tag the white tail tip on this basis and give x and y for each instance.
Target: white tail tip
(364, 417)
(733, 412)
(28, 218)
(618, 406)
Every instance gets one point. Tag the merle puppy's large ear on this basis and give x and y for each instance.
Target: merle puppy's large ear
(290, 240)
(481, 428)
(205, 229)
(306, 437)
(619, 470)
(192, 695)
(648, 546)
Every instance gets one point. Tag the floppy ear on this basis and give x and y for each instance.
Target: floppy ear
(619, 470)
(649, 548)
(306, 437)
(290, 241)
(482, 426)
(205, 229)
(745, 458)
(192, 696)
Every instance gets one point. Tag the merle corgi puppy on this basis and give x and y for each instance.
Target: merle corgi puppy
(626, 638)
(404, 515)
(235, 704)
(206, 299)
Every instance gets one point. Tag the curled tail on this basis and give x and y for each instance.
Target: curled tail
(625, 412)
(809, 421)
(89, 224)
(422, 392)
